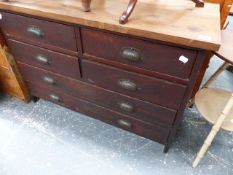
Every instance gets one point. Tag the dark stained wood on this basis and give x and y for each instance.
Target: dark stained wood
(194, 75)
(150, 89)
(132, 3)
(126, 14)
(159, 134)
(147, 97)
(142, 110)
(153, 57)
(57, 62)
(54, 36)
(199, 3)
(86, 5)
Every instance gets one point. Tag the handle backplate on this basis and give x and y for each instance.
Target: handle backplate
(128, 85)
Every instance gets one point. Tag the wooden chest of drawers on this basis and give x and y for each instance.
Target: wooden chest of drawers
(140, 85)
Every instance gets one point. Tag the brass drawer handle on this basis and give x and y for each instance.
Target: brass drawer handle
(42, 59)
(55, 97)
(49, 80)
(124, 123)
(35, 31)
(128, 85)
(131, 54)
(126, 106)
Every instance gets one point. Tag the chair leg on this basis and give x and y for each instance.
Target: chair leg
(216, 74)
(86, 5)
(213, 132)
(126, 14)
(210, 80)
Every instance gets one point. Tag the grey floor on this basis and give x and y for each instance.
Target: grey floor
(45, 139)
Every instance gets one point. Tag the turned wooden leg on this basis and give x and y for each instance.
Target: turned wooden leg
(126, 14)
(213, 132)
(199, 3)
(86, 5)
(35, 99)
(166, 148)
(210, 80)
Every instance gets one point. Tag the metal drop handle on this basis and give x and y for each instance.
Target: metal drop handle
(131, 54)
(42, 59)
(124, 123)
(35, 31)
(49, 80)
(126, 106)
(128, 85)
(55, 97)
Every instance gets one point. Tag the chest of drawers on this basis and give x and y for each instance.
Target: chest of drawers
(137, 84)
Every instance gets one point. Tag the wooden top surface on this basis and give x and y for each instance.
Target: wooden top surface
(175, 21)
(226, 49)
(211, 109)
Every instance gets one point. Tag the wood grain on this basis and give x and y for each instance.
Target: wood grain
(153, 90)
(190, 26)
(10, 80)
(144, 129)
(226, 52)
(142, 110)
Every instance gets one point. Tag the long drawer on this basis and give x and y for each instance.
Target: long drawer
(146, 55)
(47, 34)
(125, 122)
(133, 107)
(153, 90)
(46, 59)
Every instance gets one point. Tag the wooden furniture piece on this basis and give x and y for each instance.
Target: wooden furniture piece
(132, 3)
(86, 5)
(10, 80)
(138, 76)
(225, 6)
(220, 110)
(231, 10)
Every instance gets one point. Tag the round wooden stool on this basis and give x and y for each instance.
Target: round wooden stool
(216, 106)
(210, 102)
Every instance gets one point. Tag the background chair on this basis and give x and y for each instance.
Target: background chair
(216, 105)
(225, 7)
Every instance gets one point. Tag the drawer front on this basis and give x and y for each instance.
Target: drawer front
(153, 90)
(153, 132)
(46, 59)
(47, 34)
(141, 110)
(174, 61)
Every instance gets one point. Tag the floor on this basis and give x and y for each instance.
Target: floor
(45, 139)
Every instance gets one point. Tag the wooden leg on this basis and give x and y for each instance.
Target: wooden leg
(215, 75)
(230, 68)
(199, 3)
(213, 132)
(211, 79)
(35, 99)
(86, 5)
(126, 14)
(166, 148)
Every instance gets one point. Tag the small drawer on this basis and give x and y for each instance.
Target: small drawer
(146, 88)
(51, 35)
(138, 109)
(46, 59)
(146, 55)
(125, 122)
